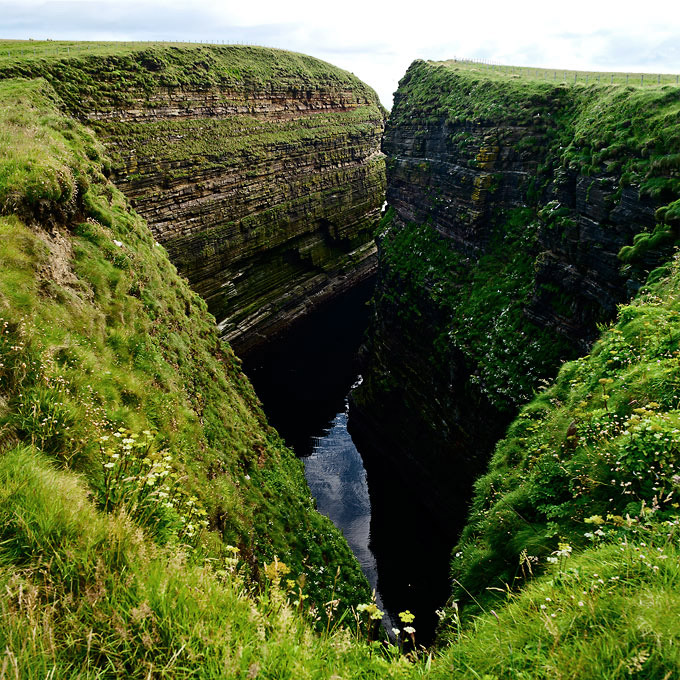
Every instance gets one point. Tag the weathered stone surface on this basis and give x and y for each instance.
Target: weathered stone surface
(467, 155)
(259, 170)
(265, 197)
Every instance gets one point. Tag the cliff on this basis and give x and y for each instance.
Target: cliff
(257, 169)
(133, 450)
(523, 212)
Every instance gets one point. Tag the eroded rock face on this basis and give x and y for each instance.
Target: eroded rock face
(498, 263)
(259, 171)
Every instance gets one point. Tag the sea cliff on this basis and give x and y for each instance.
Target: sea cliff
(259, 170)
(522, 213)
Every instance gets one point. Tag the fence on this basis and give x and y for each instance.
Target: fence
(572, 77)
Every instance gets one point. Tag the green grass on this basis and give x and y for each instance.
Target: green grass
(93, 79)
(99, 333)
(85, 595)
(608, 612)
(560, 75)
(482, 305)
(601, 442)
(102, 333)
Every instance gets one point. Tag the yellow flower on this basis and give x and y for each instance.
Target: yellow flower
(372, 610)
(406, 617)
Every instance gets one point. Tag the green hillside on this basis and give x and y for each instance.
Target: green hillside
(153, 525)
(112, 373)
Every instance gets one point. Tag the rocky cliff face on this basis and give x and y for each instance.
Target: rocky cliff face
(512, 202)
(259, 170)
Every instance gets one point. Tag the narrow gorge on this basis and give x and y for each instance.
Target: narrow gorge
(169, 212)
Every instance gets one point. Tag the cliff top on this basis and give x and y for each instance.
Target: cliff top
(76, 69)
(558, 75)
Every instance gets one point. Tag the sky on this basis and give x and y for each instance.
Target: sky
(378, 41)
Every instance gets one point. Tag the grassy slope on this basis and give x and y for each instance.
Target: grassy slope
(111, 74)
(584, 486)
(100, 333)
(87, 595)
(235, 152)
(97, 338)
(586, 478)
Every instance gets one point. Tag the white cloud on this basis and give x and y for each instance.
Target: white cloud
(377, 41)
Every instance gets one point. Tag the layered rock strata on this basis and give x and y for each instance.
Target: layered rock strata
(511, 204)
(259, 170)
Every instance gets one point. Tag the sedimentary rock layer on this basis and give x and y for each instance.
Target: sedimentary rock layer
(259, 170)
(523, 213)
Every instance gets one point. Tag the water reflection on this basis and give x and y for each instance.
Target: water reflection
(303, 379)
(336, 476)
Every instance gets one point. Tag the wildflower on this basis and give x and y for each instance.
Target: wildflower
(372, 610)
(396, 632)
(409, 629)
(563, 550)
(406, 617)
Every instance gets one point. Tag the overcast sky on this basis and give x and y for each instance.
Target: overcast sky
(377, 41)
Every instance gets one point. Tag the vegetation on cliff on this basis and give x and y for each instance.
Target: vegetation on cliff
(153, 525)
(241, 159)
(523, 212)
(103, 76)
(585, 486)
(596, 139)
(134, 451)
(482, 304)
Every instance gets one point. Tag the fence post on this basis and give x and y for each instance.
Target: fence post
(611, 81)
(642, 79)
(626, 79)
(586, 78)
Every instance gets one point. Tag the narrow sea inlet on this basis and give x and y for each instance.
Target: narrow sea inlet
(303, 379)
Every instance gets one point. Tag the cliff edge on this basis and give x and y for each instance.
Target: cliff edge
(259, 170)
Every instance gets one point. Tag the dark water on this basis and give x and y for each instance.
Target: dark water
(303, 377)
(303, 380)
